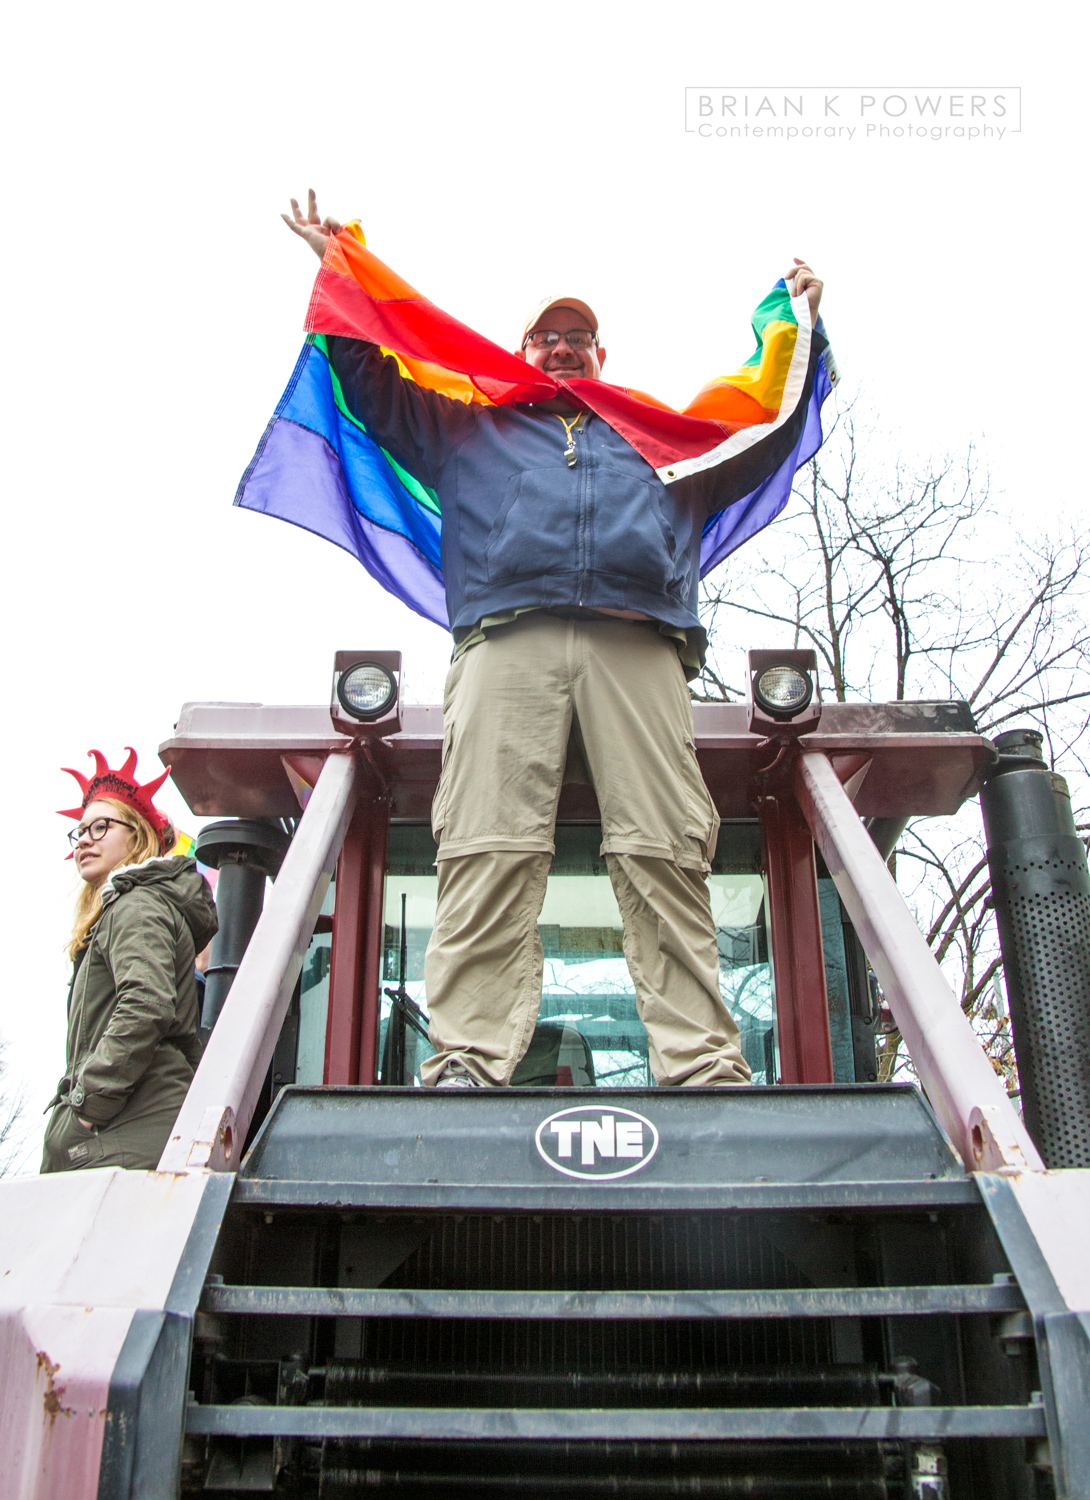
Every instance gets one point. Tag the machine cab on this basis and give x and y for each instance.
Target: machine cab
(791, 967)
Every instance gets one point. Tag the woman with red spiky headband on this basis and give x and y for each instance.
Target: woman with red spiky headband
(142, 916)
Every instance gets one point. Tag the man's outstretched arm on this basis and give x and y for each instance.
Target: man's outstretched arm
(420, 427)
(722, 485)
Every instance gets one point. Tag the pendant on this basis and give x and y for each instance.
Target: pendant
(570, 455)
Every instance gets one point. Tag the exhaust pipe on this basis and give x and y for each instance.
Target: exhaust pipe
(1041, 890)
(245, 851)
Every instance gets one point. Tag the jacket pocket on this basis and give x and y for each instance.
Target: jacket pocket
(536, 529)
(84, 1146)
(632, 537)
(68, 1144)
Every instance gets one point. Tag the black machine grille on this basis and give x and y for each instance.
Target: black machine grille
(618, 1365)
(803, 1471)
(580, 1364)
(596, 1252)
(457, 1372)
(590, 1253)
(1051, 931)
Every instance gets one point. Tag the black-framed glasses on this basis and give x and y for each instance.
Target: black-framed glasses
(548, 338)
(94, 831)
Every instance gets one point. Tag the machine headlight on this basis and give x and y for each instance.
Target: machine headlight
(783, 690)
(366, 690)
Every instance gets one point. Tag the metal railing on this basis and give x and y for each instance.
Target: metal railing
(953, 1068)
(211, 1128)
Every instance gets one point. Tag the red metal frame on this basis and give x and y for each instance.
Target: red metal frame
(372, 940)
(342, 1033)
(798, 963)
(355, 958)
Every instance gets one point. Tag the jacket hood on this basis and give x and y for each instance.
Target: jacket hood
(179, 880)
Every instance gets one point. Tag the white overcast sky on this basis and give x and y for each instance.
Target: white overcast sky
(153, 303)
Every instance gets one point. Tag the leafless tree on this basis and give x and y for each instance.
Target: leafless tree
(12, 1128)
(909, 581)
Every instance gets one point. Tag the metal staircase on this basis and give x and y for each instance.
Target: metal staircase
(793, 1291)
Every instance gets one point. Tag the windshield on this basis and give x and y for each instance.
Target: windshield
(589, 1032)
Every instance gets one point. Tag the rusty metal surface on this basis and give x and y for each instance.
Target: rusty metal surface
(226, 758)
(80, 1254)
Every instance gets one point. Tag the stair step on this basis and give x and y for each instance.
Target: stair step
(914, 1424)
(562, 1197)
(834, 1145)
(804, 1302)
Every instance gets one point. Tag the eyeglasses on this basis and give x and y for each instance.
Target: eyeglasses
(94, 831)
(548, 338)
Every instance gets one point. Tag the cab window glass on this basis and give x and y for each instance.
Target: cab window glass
(589, 1032)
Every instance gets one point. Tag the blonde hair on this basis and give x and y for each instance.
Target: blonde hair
(143, 844)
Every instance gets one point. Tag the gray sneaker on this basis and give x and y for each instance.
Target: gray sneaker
(456, 1076)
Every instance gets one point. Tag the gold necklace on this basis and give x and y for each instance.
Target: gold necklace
(569, 452)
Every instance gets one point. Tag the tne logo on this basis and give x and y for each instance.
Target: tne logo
(598, 1144)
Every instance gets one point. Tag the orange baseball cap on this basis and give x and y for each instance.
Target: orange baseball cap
(575, 303)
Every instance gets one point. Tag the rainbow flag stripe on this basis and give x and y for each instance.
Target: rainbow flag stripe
(317, 467)
(184, 844)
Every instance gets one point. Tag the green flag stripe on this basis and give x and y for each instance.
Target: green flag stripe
(775, 308)
(420, 492)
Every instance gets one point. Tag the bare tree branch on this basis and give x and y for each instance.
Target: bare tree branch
(12, 1122)
(908, 582)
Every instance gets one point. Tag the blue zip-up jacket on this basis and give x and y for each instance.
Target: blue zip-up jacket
(522, 528)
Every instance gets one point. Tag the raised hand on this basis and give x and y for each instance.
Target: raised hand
(801, 279)
(317, 232)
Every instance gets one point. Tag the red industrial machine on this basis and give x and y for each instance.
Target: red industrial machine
(339, 1282)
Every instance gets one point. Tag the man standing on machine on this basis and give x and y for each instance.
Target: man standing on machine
(571, 573)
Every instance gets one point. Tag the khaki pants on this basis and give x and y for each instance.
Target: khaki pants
(510, 707)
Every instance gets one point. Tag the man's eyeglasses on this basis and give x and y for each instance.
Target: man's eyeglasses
(94, 831)
(548, 338)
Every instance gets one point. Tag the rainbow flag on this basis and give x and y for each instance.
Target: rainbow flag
(317, 467)
(184, 845)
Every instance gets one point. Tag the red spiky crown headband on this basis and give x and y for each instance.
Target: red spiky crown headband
(123, 787)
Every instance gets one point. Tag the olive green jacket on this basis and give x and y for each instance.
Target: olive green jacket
(133, 1011)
